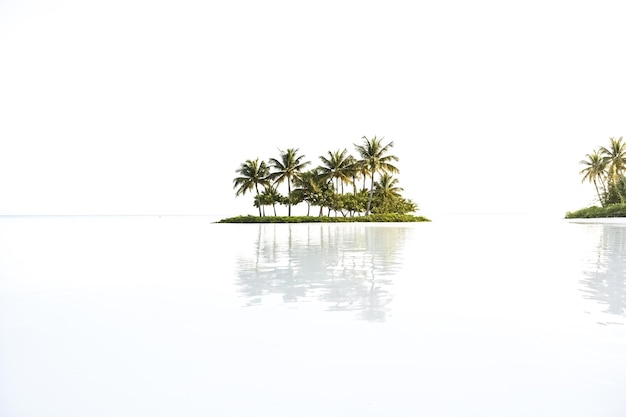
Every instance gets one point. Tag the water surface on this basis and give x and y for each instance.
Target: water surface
(172, 316)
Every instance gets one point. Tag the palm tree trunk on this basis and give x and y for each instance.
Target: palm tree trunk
(369, 201)
(288, 197)
(257, 196)
(595, 184)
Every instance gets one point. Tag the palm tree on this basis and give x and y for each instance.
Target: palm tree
(287, 168)
(594, 171)
(338, 167)
(311, 187)
(260, 203)
(373, 158)
(353, 171)
(358, 167)
(387, 186)
(270, 196)
(615, 158)
(387, 195)
(252, 173)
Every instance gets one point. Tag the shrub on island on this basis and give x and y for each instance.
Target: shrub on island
(613, 210)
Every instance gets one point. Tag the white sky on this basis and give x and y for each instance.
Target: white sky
(149, 107)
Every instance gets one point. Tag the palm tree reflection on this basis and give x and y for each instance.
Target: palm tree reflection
(605, 275)
(346, 267)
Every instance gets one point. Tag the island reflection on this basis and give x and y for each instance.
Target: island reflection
(346, 267)
(605, 274)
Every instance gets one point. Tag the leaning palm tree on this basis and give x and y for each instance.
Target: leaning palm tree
(338, 167)
(594, 171)
(374, 159)
(287, 168)
(252, 174)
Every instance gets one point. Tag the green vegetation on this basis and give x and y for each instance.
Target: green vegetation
(388, 217)
(612, 210)
(605, 168)
(324, 186)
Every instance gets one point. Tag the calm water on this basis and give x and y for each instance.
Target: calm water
(176, 316)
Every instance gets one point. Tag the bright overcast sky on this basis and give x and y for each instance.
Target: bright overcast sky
(149, 107)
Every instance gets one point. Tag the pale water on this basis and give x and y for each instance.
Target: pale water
(176, 316)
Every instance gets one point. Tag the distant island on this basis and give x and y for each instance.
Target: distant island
(605, 168)
(344, 188)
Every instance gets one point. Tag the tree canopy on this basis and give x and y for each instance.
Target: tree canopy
(605, 168)
(252, 173)
(374, 159)
(323, 185)
(287, 169)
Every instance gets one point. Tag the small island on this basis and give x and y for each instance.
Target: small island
(372, 218)
(343, 188)
(605, 168)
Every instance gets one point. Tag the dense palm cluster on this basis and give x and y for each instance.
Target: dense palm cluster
(332, 185)
(605, 168)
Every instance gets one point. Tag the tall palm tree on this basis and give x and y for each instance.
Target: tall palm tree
(287, 168)
(594, 171)
(338, 167)
(374, 158)
(252, 174)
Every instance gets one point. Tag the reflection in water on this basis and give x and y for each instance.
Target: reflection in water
(348, 267)
(605, 274)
